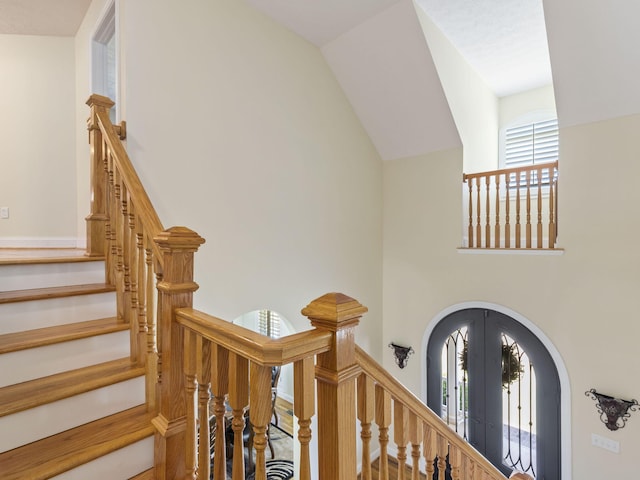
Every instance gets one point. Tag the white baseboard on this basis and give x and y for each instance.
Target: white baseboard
(42, 242)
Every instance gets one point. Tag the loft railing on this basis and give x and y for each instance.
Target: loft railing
(200, 367)
(512, 208)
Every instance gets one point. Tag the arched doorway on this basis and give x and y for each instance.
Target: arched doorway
(495, 382)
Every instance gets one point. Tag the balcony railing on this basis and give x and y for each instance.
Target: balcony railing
(513, 208)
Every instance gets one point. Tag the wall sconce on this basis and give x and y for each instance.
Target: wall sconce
(401, 353)
(613, 411)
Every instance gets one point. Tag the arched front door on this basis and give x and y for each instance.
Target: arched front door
(495, 383)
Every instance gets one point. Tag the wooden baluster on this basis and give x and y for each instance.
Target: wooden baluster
(366, 412)
(304, 405)
(178, 246)
(143, 327)
(190, 359)
(238, 401)
(110, 252)
(383, 420)
(518, 228)
(478, 224)
(443, 447)
(470, 239)
(153, 372)
(136, 353)
(555, 184)
(117, 245)
(260, 413)
(415, 437)
(455, 460)
(487, 195)
(430, 450)
(401, 436)
(97, 218)
(204, 413)
(539, 229)
(528, 226)
(126, 253)
(507, 209)
(497, 234)
(336, 373)
(552, 223)
(219, 390)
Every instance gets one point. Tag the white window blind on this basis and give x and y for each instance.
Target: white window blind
(531, 144)
(269, 323)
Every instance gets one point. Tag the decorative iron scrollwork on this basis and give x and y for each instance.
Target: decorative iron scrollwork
(614, 412)
(401, 354)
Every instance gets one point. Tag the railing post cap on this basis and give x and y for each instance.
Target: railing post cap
(334, 308)
(179, 238)
(100, 100)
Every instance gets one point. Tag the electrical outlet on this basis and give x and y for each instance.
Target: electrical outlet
(4, 212)
(606, 443)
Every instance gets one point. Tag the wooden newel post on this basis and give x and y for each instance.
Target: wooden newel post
(178, 244)
(97, 217)
(336, 373)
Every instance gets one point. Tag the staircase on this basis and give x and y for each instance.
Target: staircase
(72, 403)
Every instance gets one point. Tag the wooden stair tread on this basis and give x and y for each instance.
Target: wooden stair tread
(56, 454)
(30, 256)
(54, 292)
(146, 475)
(12, 342)
(22, 396)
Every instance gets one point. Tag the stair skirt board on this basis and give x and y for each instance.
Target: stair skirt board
(20, 316)
(24, 365)
(46, 420)
(18, 277)
(118, 465)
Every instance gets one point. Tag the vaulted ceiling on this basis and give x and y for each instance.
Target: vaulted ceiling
(379, 55)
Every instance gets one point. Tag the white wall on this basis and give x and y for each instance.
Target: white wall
(37, 173)
(585, 301)
(527, 106)
(239, 131)
(473, 105)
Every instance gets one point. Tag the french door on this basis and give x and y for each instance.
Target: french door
(494, 382)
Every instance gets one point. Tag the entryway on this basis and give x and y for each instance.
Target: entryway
(496, 384)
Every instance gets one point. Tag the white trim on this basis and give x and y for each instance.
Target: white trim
(563, 374)
(511, 251)
(40, 242)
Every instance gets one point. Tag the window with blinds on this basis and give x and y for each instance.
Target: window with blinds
(531, 144)
(269, 323)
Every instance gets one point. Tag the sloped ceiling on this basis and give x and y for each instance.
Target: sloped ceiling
(593, 49)
(385, 68)
(595, 58)
(42, 17)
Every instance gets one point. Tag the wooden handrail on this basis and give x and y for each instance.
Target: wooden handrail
(252, 345)
(401, 395)
(502, 171)
(111, 135)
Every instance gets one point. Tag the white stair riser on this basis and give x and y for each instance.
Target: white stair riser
(46, 420)
(119, 465)
(20, 316)
(23, 277)
(17, 367)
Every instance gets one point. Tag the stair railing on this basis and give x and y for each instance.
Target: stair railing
(197, 363)
(123, 227)
(512, 208)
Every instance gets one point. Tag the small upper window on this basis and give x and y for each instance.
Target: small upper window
(269, 323)
(531, 144)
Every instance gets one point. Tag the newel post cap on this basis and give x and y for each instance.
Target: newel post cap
(334, 311)
(96, 100)
(179, 239)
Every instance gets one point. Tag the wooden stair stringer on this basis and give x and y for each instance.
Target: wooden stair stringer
(146, 475)
(33, 393)
(64, 451)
